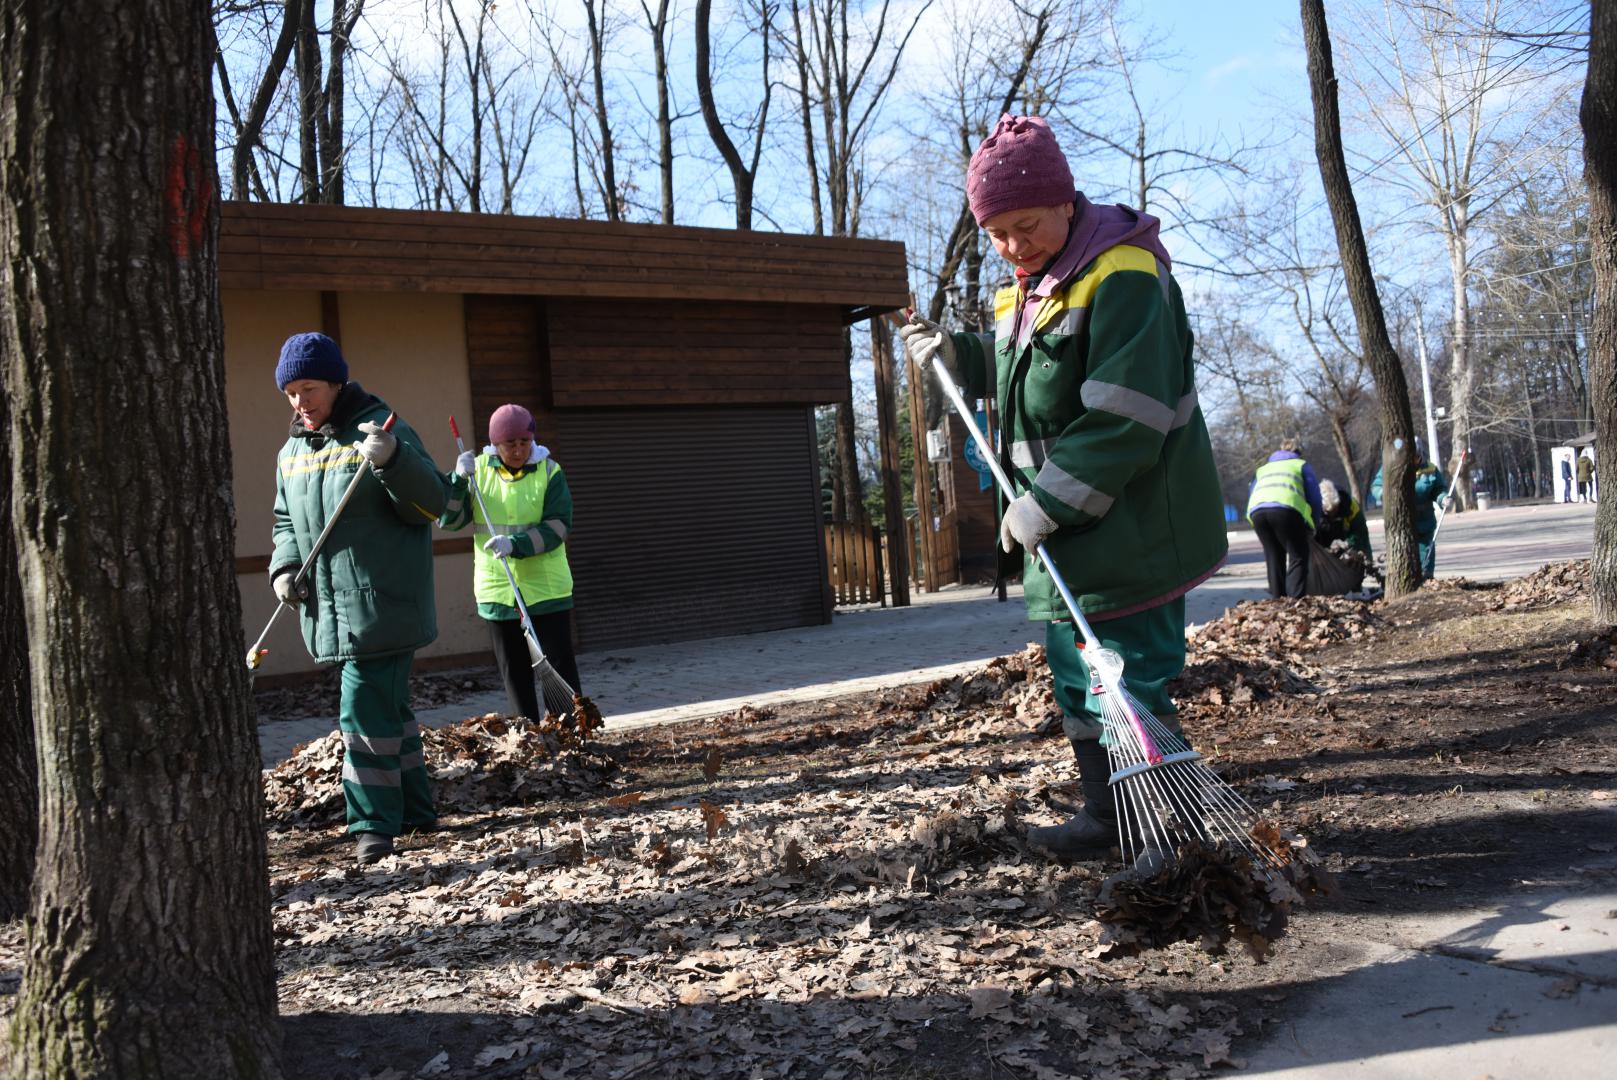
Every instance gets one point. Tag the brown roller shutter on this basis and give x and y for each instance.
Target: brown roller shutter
(691, 523)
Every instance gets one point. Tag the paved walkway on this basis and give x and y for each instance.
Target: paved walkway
(941, 634)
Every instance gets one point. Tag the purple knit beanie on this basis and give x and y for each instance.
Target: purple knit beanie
(510, 422)
(1019, 166)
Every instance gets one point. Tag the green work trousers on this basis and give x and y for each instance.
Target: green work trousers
(384, 774)
(1152, 645)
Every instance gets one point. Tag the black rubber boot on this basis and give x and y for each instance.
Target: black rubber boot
(370, 847)
(1093, 830)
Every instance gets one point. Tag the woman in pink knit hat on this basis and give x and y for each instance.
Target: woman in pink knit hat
(531, 512)
(1090, 362)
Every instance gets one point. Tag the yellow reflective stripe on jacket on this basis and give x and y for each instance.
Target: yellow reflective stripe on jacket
(330, 456)
(517, 506)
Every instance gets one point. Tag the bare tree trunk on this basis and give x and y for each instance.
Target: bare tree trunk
(333, 154)
(658, 26)
(1598, 116)
(252, 126)
(1397, 428)
(1462, 372)
(1344, 453)
(19, 776)
(898, 561)
(309, 110)
(742, 175)
(148, 949)
(609, 180)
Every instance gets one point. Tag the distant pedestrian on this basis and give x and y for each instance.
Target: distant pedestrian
(367, 604)
(1283, 507)
(1586, 475)
(527, 497)
(1566, 480)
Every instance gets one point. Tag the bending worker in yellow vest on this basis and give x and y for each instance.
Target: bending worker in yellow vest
(531, 506)
(1283, 507)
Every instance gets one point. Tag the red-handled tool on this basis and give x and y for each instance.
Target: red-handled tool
(557, 693)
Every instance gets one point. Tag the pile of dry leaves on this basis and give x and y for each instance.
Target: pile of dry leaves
(1014, 688)
(481, 763)
(1282, 629)
(1212, 894)
(1551, 585)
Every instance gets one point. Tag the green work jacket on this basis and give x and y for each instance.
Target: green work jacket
(370, 589)
(1099, 420)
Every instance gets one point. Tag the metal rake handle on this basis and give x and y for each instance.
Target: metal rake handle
(942, 372)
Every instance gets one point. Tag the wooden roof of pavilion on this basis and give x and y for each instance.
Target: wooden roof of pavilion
(362, 249)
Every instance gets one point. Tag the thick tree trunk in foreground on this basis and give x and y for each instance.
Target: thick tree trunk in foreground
(1397, 429)
(148, 949)
(19, 782)
(1598, 115)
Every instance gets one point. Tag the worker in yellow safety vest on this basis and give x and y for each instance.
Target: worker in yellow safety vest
(1283, 507)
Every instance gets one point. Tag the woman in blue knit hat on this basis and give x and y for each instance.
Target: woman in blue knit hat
(367, 602)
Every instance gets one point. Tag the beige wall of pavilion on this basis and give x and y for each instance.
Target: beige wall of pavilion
(408, 349)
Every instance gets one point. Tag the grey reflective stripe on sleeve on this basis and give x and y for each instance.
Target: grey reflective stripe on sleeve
(1072, 491)
(987, 340)
(370, 777)
(1030, 453)
(1141, 408)
(535, 539)
(452, 509)
(1070, 322)
(1186, 409)
(557, 526)
(382, 746)
(416, 760)
(1162, 279)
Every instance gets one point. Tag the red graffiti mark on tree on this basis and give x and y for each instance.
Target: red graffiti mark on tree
(189, 195)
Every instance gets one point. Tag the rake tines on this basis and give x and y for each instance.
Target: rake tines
(1166, 793)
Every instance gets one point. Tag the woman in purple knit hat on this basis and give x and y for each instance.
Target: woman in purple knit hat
(530, 508)
(1090, 362)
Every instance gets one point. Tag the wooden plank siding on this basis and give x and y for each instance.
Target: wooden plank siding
(355, 249)
(507, 359)
(665, 352)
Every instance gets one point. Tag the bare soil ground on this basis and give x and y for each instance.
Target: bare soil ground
(840, 889)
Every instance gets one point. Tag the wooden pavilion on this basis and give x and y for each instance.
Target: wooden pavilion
(673, 372)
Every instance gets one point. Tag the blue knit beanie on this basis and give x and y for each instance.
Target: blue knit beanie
(310, 356)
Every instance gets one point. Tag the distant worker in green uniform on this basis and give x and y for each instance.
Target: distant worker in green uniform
(367, 603)
(1091, 364)
(1342, 519)
(1431, 489)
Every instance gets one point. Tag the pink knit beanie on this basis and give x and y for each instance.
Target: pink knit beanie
(509, 422)
(1017, 167)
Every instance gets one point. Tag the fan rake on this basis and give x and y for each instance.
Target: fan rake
(1166, 793)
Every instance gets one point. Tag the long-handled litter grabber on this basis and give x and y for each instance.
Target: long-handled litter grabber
(552, 687)
(1443, 511)
(1166, 793)
(255, 655)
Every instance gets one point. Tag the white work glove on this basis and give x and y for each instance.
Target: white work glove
(379, 446)
(924, 339)
(288, 590)
(1025, 523)
(466, 464)
(499, 546)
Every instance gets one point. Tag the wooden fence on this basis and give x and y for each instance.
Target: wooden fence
(853, 554)
(934, 555)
